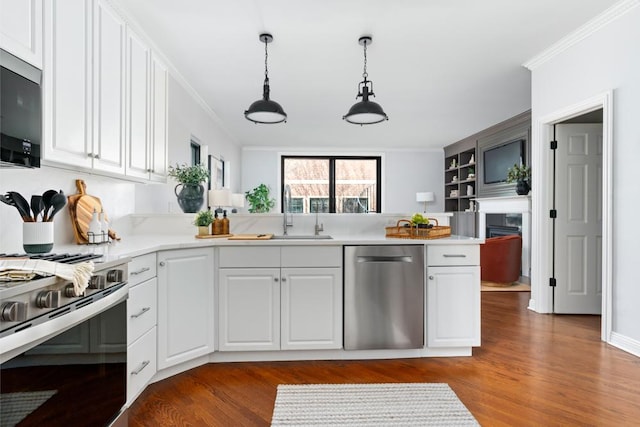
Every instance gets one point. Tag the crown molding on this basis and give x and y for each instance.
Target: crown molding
(590, 27)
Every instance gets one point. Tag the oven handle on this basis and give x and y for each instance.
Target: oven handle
(17, 343)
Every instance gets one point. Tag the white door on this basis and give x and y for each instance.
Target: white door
(578, 226)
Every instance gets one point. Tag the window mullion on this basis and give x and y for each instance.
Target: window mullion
(332, 184)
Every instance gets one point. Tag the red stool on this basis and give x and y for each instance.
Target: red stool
(500, 259)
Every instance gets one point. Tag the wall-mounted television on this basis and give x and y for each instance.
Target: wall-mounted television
(497, 160)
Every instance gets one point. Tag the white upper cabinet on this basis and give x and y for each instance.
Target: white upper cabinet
(21, 29)
(138, 104)
(105, 93)
(109, 90)
(160, 108)
(67, 83)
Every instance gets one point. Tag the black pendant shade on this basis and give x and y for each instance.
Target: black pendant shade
(365, 112)
(265, 110)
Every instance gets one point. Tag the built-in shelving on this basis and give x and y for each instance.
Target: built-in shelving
(459, 180)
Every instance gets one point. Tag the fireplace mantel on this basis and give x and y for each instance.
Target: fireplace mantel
(505, 205)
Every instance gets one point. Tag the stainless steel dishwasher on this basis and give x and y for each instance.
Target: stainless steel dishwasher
(383, 297)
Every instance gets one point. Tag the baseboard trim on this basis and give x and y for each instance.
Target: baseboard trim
(625, 343)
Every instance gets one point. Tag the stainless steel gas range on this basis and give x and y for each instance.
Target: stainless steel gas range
(63, 354)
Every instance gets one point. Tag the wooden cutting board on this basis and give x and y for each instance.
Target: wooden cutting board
(251, 237)
(81, 207)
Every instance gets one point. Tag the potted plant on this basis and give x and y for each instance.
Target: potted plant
(259, 199)
(520, 174)
(203, 222)
(191, 196)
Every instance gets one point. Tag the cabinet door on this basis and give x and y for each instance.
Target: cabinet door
(67, 83)
(311, 309)
(21, 29)
(185, 305)
(160, 93)
(109, 90)
(138, 103)
(453, 306)
(249, 309)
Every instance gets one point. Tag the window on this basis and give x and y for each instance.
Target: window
(339, 184)
(195, 153)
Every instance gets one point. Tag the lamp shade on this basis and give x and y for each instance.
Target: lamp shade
(221, 197)
(365, 113)
(426, 196)
(237, 200)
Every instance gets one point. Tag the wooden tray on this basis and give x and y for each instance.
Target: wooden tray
(414, 232)
(213, 236)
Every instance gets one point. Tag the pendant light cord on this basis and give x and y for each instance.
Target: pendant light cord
(364, 72)
(266, 55)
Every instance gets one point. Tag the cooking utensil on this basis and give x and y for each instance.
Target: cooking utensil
(57, 202)
(46, 200)
(36, 206)
(21, 204)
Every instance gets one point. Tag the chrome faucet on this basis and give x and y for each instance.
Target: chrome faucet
(286, 202)
(318, 228)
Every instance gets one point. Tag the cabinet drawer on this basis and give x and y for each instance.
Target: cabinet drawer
(311, 256)
(248, 257)
(453, 255)
(142, 268)
(141, 364)
(142, 309)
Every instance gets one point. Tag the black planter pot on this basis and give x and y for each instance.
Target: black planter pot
(522, 188)
(190, 198)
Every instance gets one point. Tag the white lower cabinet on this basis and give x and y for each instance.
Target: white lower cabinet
(142, 317)
(453, 296)
(272, 306)
(141, 364)
(249, 309)
(185, 305)
(311, 310)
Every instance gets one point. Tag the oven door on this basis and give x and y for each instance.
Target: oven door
(76, 376)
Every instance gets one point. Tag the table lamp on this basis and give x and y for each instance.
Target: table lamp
(425, 197)
(220, 198)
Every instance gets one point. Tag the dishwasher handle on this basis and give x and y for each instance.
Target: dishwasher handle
(379, 258)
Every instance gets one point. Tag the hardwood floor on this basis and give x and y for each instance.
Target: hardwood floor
(531, 370)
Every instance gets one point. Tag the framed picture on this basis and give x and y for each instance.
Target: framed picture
(216, 170)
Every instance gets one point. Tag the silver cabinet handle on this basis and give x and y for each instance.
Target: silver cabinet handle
(384, 259)
(162, 263)
(275, 279)
(454, 256)
(142, 366)
(142, 270)
(143, 311)
(96, 156)
(284, 279)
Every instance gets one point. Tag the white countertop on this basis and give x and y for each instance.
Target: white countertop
(136, 245)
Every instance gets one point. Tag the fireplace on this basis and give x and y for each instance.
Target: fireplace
(517, 213)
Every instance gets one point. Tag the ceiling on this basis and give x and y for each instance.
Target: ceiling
(442, 69)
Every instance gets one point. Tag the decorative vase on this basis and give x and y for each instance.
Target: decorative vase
(522, 188)
(37, 237)
(190, 197)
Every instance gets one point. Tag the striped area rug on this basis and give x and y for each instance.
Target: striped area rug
(405, 404)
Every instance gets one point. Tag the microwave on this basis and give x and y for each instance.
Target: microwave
(20, 112)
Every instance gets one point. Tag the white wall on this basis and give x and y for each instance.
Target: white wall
(607, 60)
(404, 173)
(187, 119)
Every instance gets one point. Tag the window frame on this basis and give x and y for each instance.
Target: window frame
(332, 176)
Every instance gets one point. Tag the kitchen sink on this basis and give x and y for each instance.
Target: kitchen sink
(302, 237)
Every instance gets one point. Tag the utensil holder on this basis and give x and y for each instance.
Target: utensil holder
(37, 237)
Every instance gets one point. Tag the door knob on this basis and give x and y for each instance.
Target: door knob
(162, 263)
(430, 277)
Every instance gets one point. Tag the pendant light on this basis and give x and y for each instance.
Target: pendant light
(265, 110)
(365, 112)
